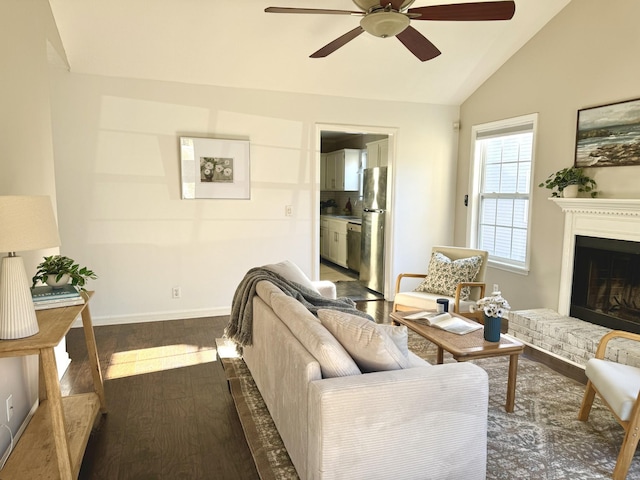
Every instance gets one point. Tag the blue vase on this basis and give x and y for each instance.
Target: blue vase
(492, 328)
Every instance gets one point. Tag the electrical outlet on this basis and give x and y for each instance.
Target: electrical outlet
(288, 210)
(9, 407)
(175, 292)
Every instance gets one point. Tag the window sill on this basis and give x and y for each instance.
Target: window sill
(508, 268)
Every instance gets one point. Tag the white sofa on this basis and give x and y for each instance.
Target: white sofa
(421, 422)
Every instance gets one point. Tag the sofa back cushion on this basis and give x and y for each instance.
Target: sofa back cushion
(266, 290)
(372, 346)
(333, 358)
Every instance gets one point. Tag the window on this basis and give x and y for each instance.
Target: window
(503, 154)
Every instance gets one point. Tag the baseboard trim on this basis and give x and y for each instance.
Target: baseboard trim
(156, 317)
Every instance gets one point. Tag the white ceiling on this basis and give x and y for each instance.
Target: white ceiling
(234, 43)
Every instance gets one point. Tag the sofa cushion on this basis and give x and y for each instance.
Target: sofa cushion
(368, 343)
(291, 272)
(398, 335)
(444, 275)
(265, 290)
(333, 358)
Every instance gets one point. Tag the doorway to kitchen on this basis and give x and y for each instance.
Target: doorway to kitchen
(348, 257)
(347, 283)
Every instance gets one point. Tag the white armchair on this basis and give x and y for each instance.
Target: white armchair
(618, 386)
(424, 300)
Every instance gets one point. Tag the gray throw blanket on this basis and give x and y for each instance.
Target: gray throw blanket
(240, 327)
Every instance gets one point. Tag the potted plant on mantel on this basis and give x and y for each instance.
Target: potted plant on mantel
(569, 181)
(58, 270)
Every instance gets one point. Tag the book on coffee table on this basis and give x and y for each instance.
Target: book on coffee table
(444, 321)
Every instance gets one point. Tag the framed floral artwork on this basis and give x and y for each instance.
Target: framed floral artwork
(214, 168)
(609, 135)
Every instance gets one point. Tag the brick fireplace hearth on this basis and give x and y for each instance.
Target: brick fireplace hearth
(556, 332)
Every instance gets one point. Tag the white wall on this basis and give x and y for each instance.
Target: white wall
(118, 184)
(26, 158)
(586, 56)
(106, 151)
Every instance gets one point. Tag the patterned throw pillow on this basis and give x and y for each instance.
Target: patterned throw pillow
(444, 275)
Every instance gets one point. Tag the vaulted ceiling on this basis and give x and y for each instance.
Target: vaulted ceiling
(235, 43)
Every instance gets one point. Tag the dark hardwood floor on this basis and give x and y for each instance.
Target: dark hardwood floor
(171, 415)
(166, 420)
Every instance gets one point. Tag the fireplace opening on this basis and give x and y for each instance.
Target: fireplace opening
(606, 283)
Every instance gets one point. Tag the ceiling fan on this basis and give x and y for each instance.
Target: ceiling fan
(391, 18)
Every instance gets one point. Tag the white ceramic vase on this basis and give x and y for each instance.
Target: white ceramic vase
(570, 191)
(52, 282)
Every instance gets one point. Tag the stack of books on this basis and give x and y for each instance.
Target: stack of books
(48, 297)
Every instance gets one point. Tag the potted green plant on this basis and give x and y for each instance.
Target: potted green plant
(567, 177)
(58, 270)
(329, 206)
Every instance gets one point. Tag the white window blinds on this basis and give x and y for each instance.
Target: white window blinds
(504, 157)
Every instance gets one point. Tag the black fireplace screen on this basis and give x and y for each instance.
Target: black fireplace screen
(606, 283)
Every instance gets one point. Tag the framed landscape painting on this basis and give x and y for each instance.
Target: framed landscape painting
(214, 168)
(609, 135)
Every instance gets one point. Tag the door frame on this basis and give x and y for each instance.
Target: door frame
(391, 133)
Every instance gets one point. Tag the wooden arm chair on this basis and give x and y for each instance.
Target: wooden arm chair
(618, 386)
(422, 300)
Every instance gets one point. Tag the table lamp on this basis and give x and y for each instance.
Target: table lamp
(26, 223)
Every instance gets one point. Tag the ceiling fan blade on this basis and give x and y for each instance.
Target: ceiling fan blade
(337, 43)
(311, 10)
(475, 11)
(418, 44)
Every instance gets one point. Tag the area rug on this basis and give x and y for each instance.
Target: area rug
(541, 439)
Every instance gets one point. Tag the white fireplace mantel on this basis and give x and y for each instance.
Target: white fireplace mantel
(614, 218)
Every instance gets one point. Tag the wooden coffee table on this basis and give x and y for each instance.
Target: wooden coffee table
(468, 347)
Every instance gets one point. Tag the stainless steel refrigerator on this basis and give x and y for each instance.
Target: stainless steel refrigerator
(374, 208)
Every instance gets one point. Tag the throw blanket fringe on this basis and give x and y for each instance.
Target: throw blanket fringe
(240, 326)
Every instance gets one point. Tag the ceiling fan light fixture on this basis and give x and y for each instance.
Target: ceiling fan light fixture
(369, 5)
(384, 24)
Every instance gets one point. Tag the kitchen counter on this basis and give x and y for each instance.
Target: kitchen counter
(346, 218)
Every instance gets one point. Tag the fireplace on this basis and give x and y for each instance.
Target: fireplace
(606, 283)
(600, 273)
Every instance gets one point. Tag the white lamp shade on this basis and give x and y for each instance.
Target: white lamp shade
(27, 223)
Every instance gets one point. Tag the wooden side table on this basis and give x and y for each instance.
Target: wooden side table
(53, 444)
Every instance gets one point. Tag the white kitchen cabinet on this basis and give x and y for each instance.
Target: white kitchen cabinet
(339, 170)
(378, 153)
(323, 171)
(338, 242)
(324, 238)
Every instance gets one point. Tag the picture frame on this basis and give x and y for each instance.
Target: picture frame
(608, 135)
(215, 168)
